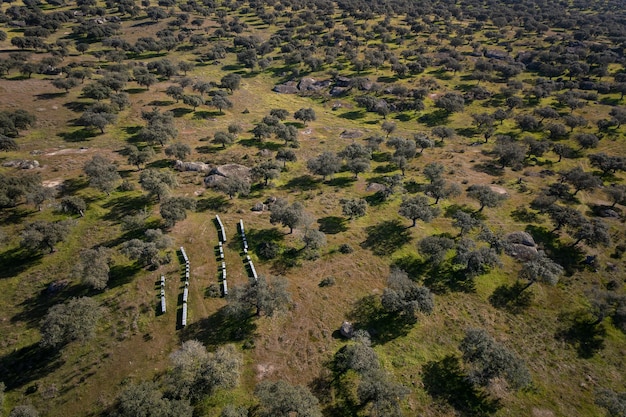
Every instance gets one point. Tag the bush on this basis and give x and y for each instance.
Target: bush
(212, 291)
(127, 186)
(327, 282)
(345, 248)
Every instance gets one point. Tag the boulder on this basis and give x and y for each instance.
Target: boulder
(521, 246)
(232, 170)
(265, 153)
(375, 187)
(608, 212)
(495, 54)
(351, 134)
(56, 286)
(342, 81)
(22, 164)
(338, 91)
(346, 329)
(311, 84)
(522, 238)
(258, 207)
(212, 181)
(290, 87)
(522, 252)
(191, 166)
(217, 174)
(307, 84)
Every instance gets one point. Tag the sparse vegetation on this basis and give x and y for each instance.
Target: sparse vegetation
(127, 126)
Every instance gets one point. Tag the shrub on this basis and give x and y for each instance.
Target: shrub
(327, 282)
(345, 248)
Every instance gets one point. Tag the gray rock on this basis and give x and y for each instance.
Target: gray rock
(342, 81)
(192, 166)
(212, 181)
(610, 213)
(217, 174)
(522, 252)
(307, 84)
(290, 87)
(351, 134)
(229, 170)
(346, 329)
(258, 207)
(375, 187)
(22, 164)
(338, 91)
(522, 238)
(495, 54)
(313, 85)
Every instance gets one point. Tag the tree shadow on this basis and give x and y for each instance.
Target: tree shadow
(16, 260)
(73, 185)
(467, 132)
(386, 237)
(136, 90)
(208, 149)
(385, 169)
(220, 328)
(331, 225)
(217, 203)
(585, 332)
(403, 117)
(381, 157)
(511, 298)
(13, 215)
(489, 169)
(302, 183)
(77, 106)
(386, 79)
(122, 274)
(450, 210)
(352, 115)
(232, 67)
(523, 215)
(412, 265)
(144, 24)
(435, 118)
(50, 96)
(445, 380)
(36, 307)
(341, 182)
(376, 199)
(160, 103)
(206, 114)
(570, 258)
(160, 163)
(446, 278)
(413, 187)
(79, 135)
(368, 314)
(260, 144)
(132, 130)
(258, 236)
(28, 364)
(126, 205)
(181, 111)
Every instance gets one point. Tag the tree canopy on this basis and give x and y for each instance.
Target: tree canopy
(75, 320)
